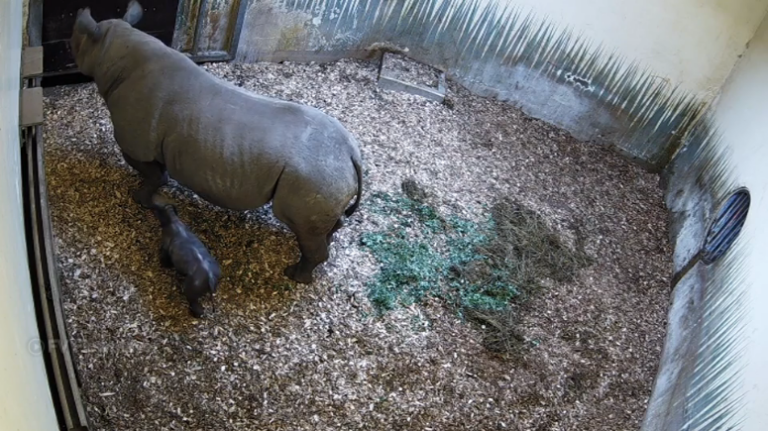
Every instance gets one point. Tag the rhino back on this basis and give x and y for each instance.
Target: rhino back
(132, 80)
(227, 144)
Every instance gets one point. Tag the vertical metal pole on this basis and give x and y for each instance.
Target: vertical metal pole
(199, 27)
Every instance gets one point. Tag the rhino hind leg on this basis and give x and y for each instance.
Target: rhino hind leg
(314, 251)
(339, 224)
(153, 175)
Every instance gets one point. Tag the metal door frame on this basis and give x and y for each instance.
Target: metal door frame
(233, 38)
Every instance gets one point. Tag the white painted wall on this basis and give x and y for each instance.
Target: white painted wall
(25, 399)
(691, 43)
(741, 113)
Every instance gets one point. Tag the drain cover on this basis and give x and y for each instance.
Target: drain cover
(726, 226)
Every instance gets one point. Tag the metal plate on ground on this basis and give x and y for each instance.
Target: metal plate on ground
(400, 73)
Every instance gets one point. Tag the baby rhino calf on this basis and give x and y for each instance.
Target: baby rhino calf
(181, 249)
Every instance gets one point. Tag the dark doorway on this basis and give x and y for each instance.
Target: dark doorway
(59, 67)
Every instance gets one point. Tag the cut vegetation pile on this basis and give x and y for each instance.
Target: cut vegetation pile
(479, 270)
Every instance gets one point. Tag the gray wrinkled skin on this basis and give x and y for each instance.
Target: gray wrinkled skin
(182, 249)
(235, 149)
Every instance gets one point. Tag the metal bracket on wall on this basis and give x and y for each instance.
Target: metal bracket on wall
(31, 97)
(31, 62)
(31, 107)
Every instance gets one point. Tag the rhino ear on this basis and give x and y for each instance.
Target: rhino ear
(133, 13)
(85, 24)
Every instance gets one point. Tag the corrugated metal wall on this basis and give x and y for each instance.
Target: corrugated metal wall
(712, 373)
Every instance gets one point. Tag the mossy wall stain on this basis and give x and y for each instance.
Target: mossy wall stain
(292, 38)
(270, 28)
(25, 17)
(186, 21)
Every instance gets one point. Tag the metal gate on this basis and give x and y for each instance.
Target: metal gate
(57, 17)
(209, 30)
(206, 30)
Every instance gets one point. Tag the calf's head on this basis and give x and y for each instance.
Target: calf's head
(89, 36)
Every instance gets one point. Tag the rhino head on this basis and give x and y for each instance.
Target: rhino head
(89, 36)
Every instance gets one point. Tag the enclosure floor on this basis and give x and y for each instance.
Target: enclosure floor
(279, 356)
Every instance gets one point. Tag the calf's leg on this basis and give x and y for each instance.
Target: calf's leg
(191, 288)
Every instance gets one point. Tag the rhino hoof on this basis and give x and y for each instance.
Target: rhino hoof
(196, 309)
(293, 273)
(140, 197)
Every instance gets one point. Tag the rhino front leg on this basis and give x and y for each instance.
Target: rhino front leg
(191, 290)
(314, 251)
(153, 175)
(165, 258)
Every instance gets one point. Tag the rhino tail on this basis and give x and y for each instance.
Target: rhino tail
(359, 171)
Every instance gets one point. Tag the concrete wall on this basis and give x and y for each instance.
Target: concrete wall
(712, 373)
(634, 74)
(25, 398)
